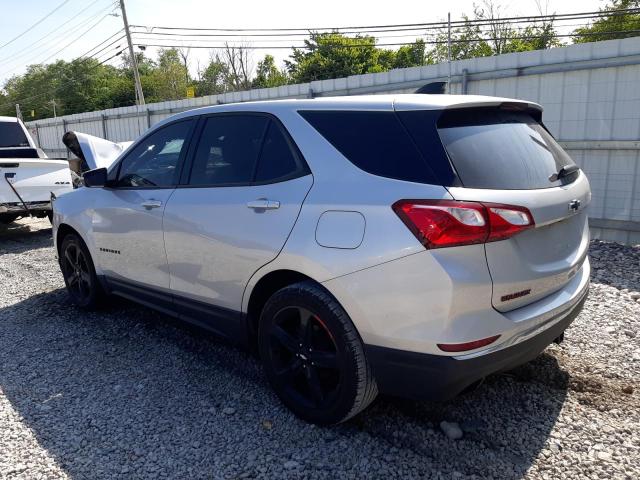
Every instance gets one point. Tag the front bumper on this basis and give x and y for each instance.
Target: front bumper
(437, 377)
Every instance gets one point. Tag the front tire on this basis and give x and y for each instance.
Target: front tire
(79, 273)
(313, 356)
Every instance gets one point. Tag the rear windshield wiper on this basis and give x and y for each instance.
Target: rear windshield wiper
(564, 172)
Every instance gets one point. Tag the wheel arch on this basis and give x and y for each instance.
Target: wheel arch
(261, 291)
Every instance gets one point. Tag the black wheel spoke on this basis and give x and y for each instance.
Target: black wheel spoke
(315, 387)
(324, 359)
(67, 255)
(73, 279)
(288, 373)
(306, 327)
(285, 339)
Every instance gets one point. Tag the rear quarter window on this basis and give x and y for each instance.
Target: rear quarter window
(373, 141)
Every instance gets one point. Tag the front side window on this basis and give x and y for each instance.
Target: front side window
(154, 161)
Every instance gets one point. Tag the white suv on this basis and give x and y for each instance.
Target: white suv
(407, 244)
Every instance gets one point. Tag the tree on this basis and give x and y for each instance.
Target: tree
(626, 24)
(171, 75)
(238, 63)
(495, 37)
(412, 55)
(268, 74)
(213, 77)
(334, 55)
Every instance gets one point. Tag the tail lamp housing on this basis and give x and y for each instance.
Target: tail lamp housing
(451, 223)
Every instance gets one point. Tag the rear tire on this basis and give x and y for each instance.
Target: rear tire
(79, 273)
(313, 356)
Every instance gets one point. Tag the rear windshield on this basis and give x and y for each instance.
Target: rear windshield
(12, 135)
(500, 149)
(374, 141)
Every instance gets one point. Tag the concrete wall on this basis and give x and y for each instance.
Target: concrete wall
(590, 93)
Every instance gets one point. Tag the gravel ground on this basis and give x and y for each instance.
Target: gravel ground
(128, 393)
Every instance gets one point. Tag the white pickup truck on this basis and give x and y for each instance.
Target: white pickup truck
(28, 177)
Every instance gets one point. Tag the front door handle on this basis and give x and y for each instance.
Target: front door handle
(263, 204)
(149, 204)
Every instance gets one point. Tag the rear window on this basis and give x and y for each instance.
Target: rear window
(375, 142)
(12, 135)
(500, 149)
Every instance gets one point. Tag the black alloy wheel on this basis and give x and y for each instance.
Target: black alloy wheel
(305, 357)
(78, 272)
(313, 355)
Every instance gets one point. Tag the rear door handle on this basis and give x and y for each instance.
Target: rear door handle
(149, 204)
(263, 204)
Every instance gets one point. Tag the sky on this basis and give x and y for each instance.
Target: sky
(54, 39)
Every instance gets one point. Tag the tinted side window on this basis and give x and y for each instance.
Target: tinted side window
(12, 135)
(228, 150)
(277, 160)
(154, 161)
(376, 142)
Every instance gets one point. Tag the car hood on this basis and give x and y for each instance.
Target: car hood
(95, 152)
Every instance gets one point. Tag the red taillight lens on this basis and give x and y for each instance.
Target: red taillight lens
(450, 223)
(464, 347)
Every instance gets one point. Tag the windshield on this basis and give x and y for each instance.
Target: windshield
(12, 135)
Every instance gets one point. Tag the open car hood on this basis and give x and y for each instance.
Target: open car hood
(93, 152)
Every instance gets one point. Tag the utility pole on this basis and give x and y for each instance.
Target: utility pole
(53, 102)
(18, 112)
(134, 61)
(449, 50)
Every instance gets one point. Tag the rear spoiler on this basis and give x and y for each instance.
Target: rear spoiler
(93, 152)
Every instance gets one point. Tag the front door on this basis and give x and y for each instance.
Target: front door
(127, 215)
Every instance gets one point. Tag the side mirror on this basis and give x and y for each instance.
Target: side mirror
(95, 178)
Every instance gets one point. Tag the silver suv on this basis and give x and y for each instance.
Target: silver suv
(407, 244)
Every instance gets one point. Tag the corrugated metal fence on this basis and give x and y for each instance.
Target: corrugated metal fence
(590, 93)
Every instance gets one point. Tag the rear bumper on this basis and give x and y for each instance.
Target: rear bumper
(436, 377)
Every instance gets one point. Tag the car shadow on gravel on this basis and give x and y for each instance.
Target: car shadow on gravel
(19, 237)
(128, 393)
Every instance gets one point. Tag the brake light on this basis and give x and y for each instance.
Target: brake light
(450, 223)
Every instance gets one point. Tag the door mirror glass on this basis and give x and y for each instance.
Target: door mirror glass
(95, 178)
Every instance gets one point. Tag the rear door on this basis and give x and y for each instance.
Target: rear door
(235, 208)
(506, 156)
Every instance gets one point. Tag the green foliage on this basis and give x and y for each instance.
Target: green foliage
(268, 74)
(213, 78)
(627, 24)
(334, 55)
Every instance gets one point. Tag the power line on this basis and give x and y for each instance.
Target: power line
(35, 24)
(360, 45)
(530, 18)
(34, 56)
(47, 35)
(76, 39)
(49, 92)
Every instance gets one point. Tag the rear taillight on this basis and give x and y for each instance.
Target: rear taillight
(450, 223)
